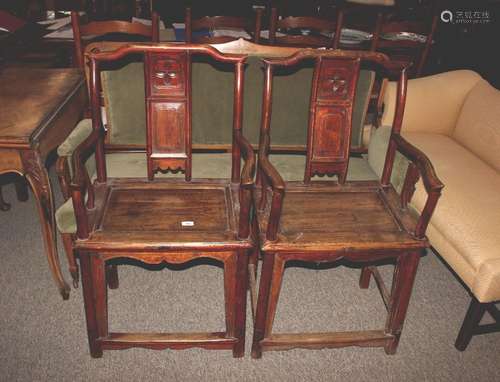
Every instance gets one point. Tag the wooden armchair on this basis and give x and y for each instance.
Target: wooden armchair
(364, 222)
(84, 32)
(237, 23)
(163, 220)
(320, 32)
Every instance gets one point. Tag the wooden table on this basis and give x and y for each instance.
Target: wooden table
(38, 109)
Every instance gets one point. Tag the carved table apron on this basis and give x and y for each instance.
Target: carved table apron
(38, 109)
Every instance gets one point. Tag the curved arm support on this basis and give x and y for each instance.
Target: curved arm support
(432, 184)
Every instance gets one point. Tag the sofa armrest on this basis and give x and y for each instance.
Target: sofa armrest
(433, 103)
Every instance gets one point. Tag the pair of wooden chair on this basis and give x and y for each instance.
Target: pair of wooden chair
(157, 220)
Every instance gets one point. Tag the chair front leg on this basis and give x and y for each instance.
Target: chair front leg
(90, 288)
(235, 292)
(67, 240)
(269, 290)
(402, 285)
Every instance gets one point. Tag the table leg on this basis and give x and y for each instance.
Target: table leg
(37, 177)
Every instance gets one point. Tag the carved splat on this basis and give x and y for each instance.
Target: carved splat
(168, 107)
(329, 134)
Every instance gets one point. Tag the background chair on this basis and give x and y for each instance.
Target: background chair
(83, 33)
(305, 31)
(226, 28)
(408, 41)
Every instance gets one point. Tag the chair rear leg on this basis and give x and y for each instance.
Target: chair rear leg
(67, 241)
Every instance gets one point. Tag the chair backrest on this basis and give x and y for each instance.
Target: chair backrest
(331, 107)
(361, 26)
(305, 31)
(123, 94)
(94, 29)
(219, 28)
(167, 70)
(407, 41)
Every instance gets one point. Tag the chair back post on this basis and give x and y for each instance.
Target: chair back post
(264, 138)
(95, 105)
(237, 122)
(427, 47)
(377, 31)
(258, 24)
(187, 25)
(75, 24)
(396, 127)
(335, 42)
(265, 179)
(155, 25)
(273, 25)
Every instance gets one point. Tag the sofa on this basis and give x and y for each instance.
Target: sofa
(454, 118)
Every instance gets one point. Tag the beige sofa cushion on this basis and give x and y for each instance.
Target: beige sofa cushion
(465, 226)
(478, 126)
(433, 103)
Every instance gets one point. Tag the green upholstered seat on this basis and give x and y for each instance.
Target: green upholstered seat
(121, 165)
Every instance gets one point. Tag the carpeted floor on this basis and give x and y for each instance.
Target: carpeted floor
(44, 338)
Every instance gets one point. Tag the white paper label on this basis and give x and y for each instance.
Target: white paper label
(187, 223)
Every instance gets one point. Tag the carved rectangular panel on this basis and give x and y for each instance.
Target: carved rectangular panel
(329, 136)
(167, 74)
(336, 80)
(330, 127)
(168, 106)
(168, 119)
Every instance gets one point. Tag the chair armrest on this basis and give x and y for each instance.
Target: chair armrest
(276, 181)
(267, 169)
(80, 155)
(248, 171)
(429, 177)
(420, 166)
(246, 184)
(270, 176)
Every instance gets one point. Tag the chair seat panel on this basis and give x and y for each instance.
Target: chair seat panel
(339, 218)
(168, 210)
(166, 214)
